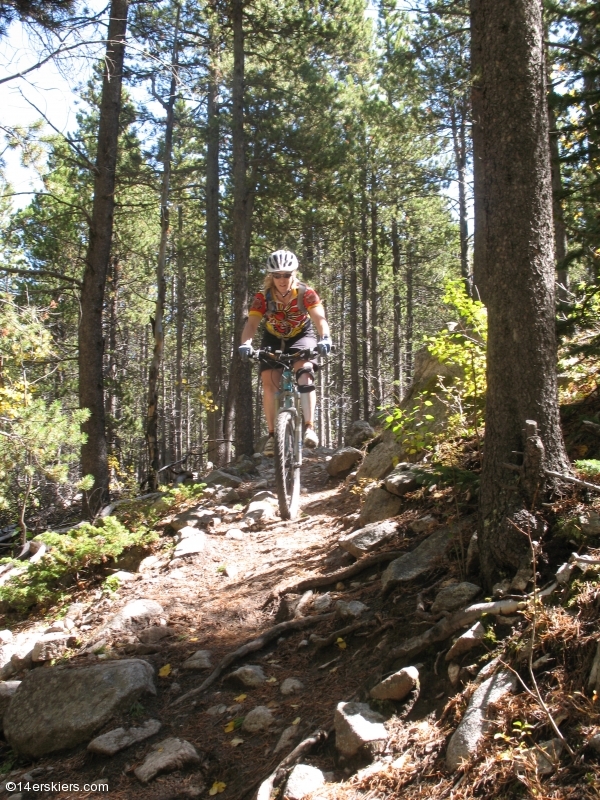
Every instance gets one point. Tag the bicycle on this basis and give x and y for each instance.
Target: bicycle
(288, 430)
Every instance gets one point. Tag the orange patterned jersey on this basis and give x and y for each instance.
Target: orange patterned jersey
(287, 320)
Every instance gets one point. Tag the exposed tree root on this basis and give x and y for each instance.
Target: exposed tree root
(325, 641)
(251, 647)
(282, 769)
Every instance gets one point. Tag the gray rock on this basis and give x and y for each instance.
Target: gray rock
(594, 742)
(248, 675)
(51, 645)
(472, 565)
(458, 595)
(358, 433)
(382, 459)
(594, 679)
(322, 602)
(191, 545)
(235, 533)
(264, 495)
(422, 559)
(216, 711)
(7, 690)
(57, 707)
(541, 760)
(137, 612)
(343, 460)
(589, 522)
(201, 659)
(149, 563)
(194, 518)
(474, 724)
(401, 481)
(454, 671)
(369, 538)
(289, 735)
(291, 686)
(355, 726)
(352, 610)
(125, 577)
(379, 504)
(167, 756)
(259, 719)
(260, 511)
(467, 641)
(222, 479)
(397, 686)
(303, 780)
(424, 524)
(118, 739)
(6, 637)
(155, 634)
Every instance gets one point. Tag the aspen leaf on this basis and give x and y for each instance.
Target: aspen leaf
(230, 727)
(341, 643)
(193, 639)
(217, 788)
(236, 742)
(272, 679)
(240, 698)
(165, 671)
(296, 721)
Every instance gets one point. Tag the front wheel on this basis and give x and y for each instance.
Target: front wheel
(287, 470)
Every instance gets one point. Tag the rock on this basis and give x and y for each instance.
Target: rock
(355, 726)
(381, 460)
(191, 545)
(201, 659)
(235, 533)
(303, 604)
(137, 612)
(6, 637)
(248, 675)
(259, 719)
(458, 595)
(56, 708)
(216, 711)
(368, 538)
(288, 736)
(401, 481)
(343, 460)
(222, 478)
(397, 686)
(291, 686)
(589, 522)
(322, 602)
(472, 565)
(167, 756)
(358, 433)
(467, 641)
(260, 511)
(423, 524)
(7, 690)
(594, 742)
(118, 739)
(473, 726)
(594, 679)
(149, 563)
(193, 518)
(303, 780)
(155, 634)
(51, 645)
(454, 673)
(351, 610)
(264, 495)
(541, 760)
(125, 577)
(418, 561)
(379, 504)
(231, 571)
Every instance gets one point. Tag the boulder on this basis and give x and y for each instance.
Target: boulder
(401, 481)
(379, 504)
(382, 459)
(474, 724)
(289, 735)
(355, 726)
(466, 642)
(57, 707)
(397, 686)
(541, 760)
(118, 739)
(589, 523)
(7, 690)
(51, 645)
(457, 595)
(201, 659)
(259, 719)
(358, 433)
(352, 610)
(291, 686)
(217, 477)
(322, 602)
(417, 562)
(137, 612)
(423, 524)
(249, 675)
(194, 518)
(261, 511)
(343, 460)
(156, 633)
(167, 756)
(303, 780)
(361, 542)
(191, 545)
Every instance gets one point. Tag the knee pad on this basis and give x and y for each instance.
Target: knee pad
(306, 387)
(309, 387)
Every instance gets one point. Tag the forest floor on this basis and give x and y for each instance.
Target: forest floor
(235, 591)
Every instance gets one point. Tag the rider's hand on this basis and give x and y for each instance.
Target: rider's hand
(324, 346)
(245, 351)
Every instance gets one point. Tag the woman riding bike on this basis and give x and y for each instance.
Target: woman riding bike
(290, 309)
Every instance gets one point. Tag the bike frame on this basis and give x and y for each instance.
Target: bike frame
(288, 401)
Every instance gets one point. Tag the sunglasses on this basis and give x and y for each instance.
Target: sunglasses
(279, 275)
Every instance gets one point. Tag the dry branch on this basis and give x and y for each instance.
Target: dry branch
(325, 641)
(305, 746)
(252, 646)
(592, 486)
(448, 626)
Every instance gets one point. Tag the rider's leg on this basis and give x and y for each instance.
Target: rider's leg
(270, 382)
(306, 386)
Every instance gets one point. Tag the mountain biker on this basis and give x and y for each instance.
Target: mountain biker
(290, 309)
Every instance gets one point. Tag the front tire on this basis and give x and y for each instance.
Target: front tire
(287, 471)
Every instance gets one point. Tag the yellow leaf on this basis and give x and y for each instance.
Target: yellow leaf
(272, 679)
(230, 726)
(295, 705)
(193, 639)
(236, 742)
(333, 670)
(296, 721)
(165, 671)
(341, 643)
(217, 788)
(240, 698)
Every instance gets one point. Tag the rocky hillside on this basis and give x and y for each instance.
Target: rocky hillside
(349, 653)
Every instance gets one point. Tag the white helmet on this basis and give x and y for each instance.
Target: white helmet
(282, 261)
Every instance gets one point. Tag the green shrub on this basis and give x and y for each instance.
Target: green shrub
(79, 550)
(589, 467)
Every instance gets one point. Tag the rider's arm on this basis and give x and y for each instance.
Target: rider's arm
(317, 314)
(250, 329)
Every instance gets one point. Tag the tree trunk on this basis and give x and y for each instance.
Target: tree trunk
(112, 367)
(354, 354)
(375, 300)
(397, 332)
(157, 322)
(479, 211)
(410, 314)
(459, 138)
(519, 280)
(212, 273)
(341, 360)
(178, 420)
(558, 217)
(240, 380)
(94, 459)
(365, 316)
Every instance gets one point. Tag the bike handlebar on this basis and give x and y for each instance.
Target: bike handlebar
(285, 359)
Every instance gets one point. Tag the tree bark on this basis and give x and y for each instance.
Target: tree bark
(558, 217)
(519, 279)
(459, 138)
(479, 211)
(341, 359)
(354, 354)
(212, 273)
(410, 314)
(157, 322)
(375, 345)
(94, 460)
(397, 332)
(181, 281)
(365, 312)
